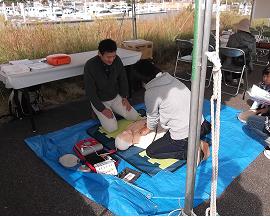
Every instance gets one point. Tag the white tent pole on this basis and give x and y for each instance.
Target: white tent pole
(260, 9)
(193, 138)
(4, 11)
(22, 11)
(203, 11)
(13, 8)
(251, 14)
(134, 22)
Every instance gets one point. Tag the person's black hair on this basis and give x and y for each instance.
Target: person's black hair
(146, 70)
(107, 45)
(266, 71)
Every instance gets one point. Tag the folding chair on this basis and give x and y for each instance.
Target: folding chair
(229, 65)
(262, 46)
(184, 54)
(262, 53)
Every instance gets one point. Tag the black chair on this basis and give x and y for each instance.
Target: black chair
(184, 54)
(234, 62)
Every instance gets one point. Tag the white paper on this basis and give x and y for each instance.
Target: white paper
(15, 69)
(39, 65)
(128, 177)
(106, 167)
(259, 95)
(21, 62)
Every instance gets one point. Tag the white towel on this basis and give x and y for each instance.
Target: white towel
(15, 69)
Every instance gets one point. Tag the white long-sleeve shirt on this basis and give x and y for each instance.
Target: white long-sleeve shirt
(167, 101)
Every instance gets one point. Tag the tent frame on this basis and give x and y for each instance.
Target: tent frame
(202, 22)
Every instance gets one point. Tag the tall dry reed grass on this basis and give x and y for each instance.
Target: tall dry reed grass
(41, 40)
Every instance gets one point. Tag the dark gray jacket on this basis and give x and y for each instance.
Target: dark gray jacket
(103, 82)
(245, 41)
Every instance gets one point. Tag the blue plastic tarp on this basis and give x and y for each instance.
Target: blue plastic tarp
(162, 193)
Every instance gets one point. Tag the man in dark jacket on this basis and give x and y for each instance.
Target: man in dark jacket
(106, 86)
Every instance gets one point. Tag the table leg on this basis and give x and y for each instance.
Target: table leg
(18, 109)
(31, 116)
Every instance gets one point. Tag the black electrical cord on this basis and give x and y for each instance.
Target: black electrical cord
(155, 134)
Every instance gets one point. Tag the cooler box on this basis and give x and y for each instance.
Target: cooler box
(146, 47)
(58, 59)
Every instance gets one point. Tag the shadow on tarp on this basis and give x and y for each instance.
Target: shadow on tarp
(157, 195)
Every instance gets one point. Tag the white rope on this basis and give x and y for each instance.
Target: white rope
(180, 29)
(215, 116)
(191, 13)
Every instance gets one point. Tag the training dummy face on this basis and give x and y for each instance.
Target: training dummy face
(130, 136)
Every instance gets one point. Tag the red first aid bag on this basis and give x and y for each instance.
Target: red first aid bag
(92, 153)
(58, 59)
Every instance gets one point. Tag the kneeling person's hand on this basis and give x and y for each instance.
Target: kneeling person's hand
(126, 103)
(144, 131)
(107, 113)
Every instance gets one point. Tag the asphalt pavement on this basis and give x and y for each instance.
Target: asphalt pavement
(30, 187)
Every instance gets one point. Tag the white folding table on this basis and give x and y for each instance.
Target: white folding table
(75, 68)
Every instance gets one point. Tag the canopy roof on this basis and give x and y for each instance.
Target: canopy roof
(261, 9)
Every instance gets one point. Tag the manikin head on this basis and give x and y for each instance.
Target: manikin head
(124, 140)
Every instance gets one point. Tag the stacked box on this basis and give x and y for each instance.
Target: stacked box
(146, 47)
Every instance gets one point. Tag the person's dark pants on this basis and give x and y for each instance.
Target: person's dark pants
(256, 126)
(166, 147)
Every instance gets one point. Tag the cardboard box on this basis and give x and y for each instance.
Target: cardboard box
(146, 47)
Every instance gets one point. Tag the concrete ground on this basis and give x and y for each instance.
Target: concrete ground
(30, 187)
